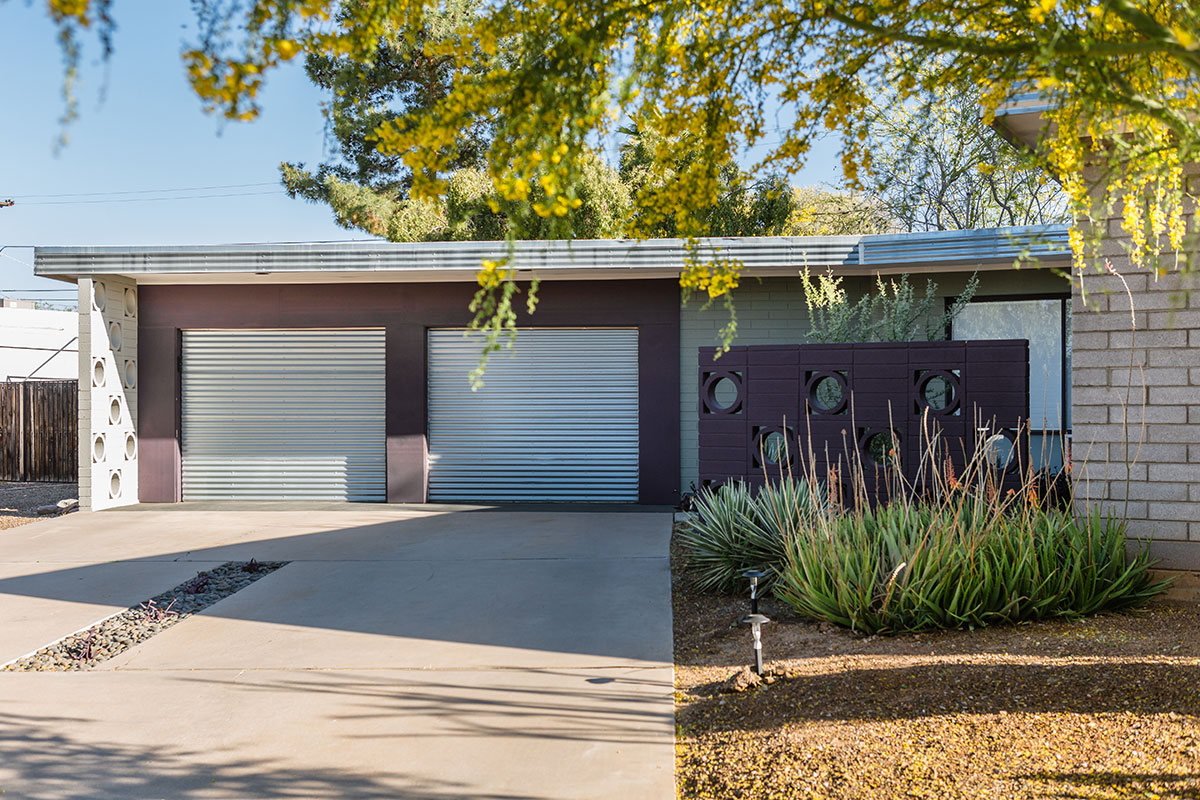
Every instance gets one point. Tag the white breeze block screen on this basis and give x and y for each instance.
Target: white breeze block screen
(108, 375)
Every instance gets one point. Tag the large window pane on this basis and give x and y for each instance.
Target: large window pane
(1041, 322)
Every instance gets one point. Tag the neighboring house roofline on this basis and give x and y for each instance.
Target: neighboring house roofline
(942, 251)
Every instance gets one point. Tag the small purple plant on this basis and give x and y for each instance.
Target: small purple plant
(154, 613)
(253, 566)
(86, 651)
(197, 584)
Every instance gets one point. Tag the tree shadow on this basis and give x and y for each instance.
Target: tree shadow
(708, 633)
(529, 581)
(39, 758)
(950, 687)
(1084, 785)
(548, 705)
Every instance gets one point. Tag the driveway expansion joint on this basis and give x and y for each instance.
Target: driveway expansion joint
(118, 632)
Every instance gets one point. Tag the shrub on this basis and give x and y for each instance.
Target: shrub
(892, 313)
(967, 550)
(734, 530)
(906, 567)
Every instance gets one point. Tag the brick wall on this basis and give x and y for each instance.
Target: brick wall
(1136, 443)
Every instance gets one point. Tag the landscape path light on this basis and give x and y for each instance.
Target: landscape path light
(756, 621)
(754, 575)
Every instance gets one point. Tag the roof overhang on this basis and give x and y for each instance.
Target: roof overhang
(1021, 119)
(598, 259)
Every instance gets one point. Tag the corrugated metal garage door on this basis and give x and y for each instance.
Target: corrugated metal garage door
(274, 414)
(556, 418)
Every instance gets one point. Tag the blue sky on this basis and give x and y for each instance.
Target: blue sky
(147, 132)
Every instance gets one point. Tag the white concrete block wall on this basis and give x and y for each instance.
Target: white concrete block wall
(108, 309)
(1136, 441)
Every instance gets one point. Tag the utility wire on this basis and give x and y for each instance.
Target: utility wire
(150, 199)
(14, 258)
(144, 191)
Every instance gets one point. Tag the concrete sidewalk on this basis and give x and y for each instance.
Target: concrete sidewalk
(404, 653)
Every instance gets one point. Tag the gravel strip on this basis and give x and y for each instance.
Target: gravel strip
(138, 623)
(19, 502)
(1104, 707)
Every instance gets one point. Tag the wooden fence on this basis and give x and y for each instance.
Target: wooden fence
(39, 431)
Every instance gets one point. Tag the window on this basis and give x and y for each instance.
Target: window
(1046, 323)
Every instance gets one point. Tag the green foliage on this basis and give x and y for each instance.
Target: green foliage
(369, 189)
(379, 212)
(892, 313)
(735, 530)
(945, 550)
(742, 206)
(817, 211)
(831, 315)
(960, 563)
(397, 78)
(603, 211)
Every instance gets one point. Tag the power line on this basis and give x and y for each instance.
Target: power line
(14, 258)
(151, 199)
(146, 191)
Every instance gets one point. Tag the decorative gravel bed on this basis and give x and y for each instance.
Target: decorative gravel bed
(138, 623)
(19, 502)
(1106, 707)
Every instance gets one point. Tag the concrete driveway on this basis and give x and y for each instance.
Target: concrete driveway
(403, 653)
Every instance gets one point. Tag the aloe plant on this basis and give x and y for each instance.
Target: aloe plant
(906, 567)
(972, 547)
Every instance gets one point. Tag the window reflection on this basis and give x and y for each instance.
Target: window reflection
(1046, 324)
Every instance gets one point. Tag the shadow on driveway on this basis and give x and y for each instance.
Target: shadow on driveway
(575, 583)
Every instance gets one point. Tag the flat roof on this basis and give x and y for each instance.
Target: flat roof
(1020, 117)
(371, 261)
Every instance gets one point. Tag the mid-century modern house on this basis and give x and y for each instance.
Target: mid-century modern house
(341, 370)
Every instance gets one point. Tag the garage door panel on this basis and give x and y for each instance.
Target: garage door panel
(276, 414)
(556, 418)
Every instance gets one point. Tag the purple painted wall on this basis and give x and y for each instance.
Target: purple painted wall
(881, 394)
(405, 310)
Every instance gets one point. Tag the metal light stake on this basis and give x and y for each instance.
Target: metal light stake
(756, 621)
(753, 575)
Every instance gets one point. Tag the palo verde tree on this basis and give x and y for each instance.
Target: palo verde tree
(742, 206)
(819, 211)
(1121, 80)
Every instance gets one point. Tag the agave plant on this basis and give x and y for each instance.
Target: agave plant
(734, 530)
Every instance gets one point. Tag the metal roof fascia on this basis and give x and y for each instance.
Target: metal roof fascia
(583, 255)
